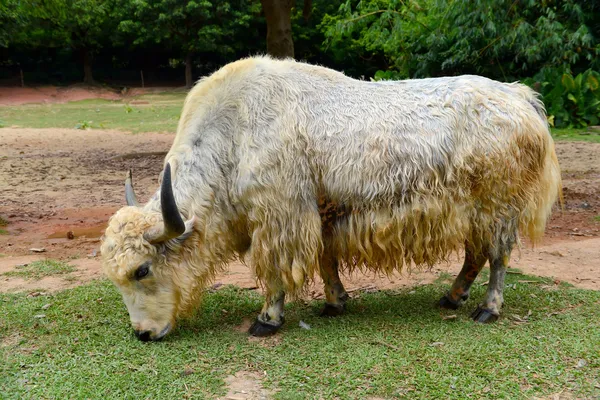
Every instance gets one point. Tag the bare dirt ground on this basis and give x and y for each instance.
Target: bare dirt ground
(51, 94)
(245, 385)
(56, 181)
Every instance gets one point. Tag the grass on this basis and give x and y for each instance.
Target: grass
(597, 218)
(3, 231)
(39, 269)
(576, 134)
(161, 114)
(83, 347)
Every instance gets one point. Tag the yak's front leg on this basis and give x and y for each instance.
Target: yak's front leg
(335, 294)
(271, 317)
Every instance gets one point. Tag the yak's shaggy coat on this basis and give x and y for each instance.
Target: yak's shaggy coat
(415, 169)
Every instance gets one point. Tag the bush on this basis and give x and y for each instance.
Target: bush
(500, 39)
(571, 102)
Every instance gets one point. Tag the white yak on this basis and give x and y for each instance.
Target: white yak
(298, 169)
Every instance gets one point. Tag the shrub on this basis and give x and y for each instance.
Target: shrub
(571, 102)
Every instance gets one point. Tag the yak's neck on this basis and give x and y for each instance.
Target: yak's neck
(197, 268)
(199, 184)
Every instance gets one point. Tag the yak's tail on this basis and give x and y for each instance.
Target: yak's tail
(550, 181)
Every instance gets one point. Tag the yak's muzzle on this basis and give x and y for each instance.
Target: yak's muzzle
(146, 336)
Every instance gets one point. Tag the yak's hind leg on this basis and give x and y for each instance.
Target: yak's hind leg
(499, 255)
(271, 317)
(475, 259)
(489, 310)
(335, 294)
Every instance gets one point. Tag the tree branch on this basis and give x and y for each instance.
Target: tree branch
(380, 12)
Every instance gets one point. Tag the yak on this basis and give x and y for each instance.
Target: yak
(296, 169)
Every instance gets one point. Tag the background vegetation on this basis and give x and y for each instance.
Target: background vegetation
(553, 45)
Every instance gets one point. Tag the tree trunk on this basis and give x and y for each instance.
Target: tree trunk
(88, 78)
(278, 14)
(307, 10)
(188, 70)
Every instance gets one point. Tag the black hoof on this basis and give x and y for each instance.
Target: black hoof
(447, 303)
(261, 329)
(484, 316)
(332, 310)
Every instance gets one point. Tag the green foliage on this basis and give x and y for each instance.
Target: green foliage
(310, 35)
(84, 125)
(189, 26)
(39, 269)
(571, 101)
(500, 39)
(11, 20)
(80, 24)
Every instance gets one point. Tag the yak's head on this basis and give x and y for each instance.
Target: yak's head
(141, 256)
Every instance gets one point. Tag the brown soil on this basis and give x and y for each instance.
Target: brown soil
(61, 183)
(245, 385)
(11, 96)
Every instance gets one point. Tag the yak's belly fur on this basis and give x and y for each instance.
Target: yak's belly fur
(388, 239)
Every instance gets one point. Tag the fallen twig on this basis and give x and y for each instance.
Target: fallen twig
(391, 346)
(365, 288)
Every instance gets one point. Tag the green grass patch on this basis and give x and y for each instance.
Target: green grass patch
(3, 231)
(576, 135)
(83, 347)
(39, 269)
(156, 112)
(596, 218)
(146, 113)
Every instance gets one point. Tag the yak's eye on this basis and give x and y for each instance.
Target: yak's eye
(142, 271)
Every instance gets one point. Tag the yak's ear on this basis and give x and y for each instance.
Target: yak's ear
(154, 234)
(189, 229)
(173, 244)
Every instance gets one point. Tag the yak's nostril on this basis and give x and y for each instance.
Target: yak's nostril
(144, 336)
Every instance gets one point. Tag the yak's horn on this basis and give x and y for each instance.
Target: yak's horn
(174, 224)
(129, 193)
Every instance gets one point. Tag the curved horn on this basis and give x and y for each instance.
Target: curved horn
(174, 224)
(129, 193)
